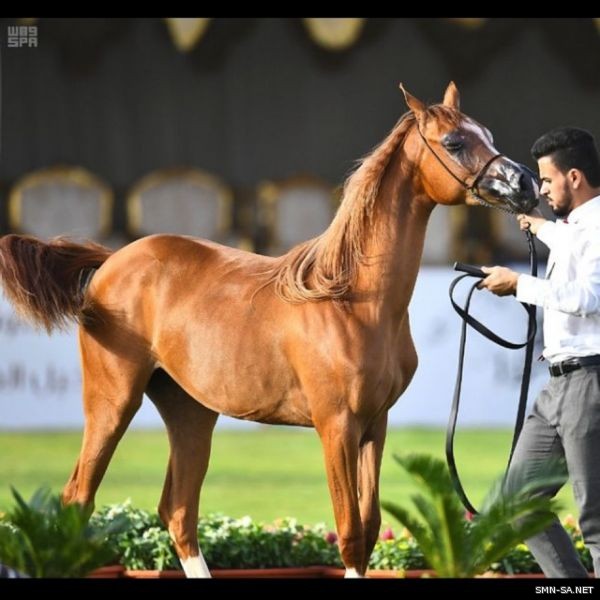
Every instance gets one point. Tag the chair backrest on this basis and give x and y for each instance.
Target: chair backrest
(186, 201)
(61, 200)
(295, 210)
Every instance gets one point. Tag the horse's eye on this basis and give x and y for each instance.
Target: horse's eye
(453, 142)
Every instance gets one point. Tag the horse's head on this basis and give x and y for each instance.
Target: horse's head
(457, 160)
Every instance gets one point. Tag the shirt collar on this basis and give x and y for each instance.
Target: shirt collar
(585, 210)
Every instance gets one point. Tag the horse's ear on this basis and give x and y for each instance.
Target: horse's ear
(452, 97)
(417, 107)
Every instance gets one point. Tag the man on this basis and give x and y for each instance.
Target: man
(565, 420)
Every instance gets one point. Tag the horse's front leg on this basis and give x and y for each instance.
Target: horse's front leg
(369, 466)
(340, 437)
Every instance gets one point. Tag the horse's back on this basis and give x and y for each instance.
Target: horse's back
(176, 259)
(171, 248)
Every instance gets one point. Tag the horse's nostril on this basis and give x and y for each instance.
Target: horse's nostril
(526, 179)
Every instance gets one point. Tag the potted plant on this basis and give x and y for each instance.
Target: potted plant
(456, 547)
(43, 538)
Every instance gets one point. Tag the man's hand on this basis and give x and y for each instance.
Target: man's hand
(533, 221)
(500, 281)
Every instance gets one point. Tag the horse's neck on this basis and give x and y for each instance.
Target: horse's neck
(394, 248)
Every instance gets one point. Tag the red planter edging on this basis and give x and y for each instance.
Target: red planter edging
(110, 572)
(117, 571)
(292, 572)
(153, 574)
(289, 572)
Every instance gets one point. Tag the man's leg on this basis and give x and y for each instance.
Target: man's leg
(539, 443)
(580, 432)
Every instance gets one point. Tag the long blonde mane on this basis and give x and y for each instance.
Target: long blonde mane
(324, 268)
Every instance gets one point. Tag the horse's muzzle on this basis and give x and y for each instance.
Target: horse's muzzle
(517, 188)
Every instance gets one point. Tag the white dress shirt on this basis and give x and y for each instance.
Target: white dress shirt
(570, 294)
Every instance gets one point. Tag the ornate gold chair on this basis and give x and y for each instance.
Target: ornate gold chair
(185, 201)
(61, 200)
(295, 210)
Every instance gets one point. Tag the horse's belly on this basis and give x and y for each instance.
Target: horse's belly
(272, 400)
(288, 409)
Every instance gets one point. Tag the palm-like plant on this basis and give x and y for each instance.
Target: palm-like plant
(43, 538)
(455, 547)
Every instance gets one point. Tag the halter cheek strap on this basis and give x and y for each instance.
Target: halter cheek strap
(473, 186)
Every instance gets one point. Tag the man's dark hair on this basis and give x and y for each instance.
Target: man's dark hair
(570, 148)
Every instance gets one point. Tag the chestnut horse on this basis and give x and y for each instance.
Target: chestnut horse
(319, 337)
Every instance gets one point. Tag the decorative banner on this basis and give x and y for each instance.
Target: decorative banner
(469, 23)
(334, 34)
(185, 32)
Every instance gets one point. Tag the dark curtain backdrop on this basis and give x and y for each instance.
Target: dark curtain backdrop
(257, 99)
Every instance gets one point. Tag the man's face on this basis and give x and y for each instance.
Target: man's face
(556, 187)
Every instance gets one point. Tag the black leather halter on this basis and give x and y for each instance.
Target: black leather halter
(470, 187)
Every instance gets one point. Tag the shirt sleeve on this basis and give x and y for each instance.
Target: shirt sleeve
(580, 296)
(532, 290)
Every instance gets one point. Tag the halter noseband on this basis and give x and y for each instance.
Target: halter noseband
(472, 188)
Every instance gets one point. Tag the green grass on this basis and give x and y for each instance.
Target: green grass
(266, 473)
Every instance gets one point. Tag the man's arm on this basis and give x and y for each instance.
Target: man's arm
(580, 296)
(500, 280)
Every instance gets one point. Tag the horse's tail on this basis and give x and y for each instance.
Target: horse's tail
(45, 280)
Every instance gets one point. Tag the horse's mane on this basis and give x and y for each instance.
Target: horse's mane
(324, 268)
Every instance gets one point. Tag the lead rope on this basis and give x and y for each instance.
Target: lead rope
(478, 326)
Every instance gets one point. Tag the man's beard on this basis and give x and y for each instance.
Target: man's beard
(565, 209)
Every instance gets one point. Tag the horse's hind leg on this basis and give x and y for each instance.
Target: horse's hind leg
(112, 394)
(190, 426)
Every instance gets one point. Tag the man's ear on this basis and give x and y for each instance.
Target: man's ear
(576, 177)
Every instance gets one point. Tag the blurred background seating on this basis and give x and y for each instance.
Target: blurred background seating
(184, 201)
(294, 210)
(61, 200)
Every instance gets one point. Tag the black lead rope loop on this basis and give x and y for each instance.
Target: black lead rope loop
(467, 319)
(531, 331)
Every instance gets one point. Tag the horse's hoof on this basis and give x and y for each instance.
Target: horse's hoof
(353, 574)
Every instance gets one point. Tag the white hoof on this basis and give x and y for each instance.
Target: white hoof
(353, 574)
(195, 567)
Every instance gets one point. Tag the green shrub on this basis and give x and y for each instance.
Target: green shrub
(242, 543)
(398, 554)
(43, 538)
(226, 543)
(455, 547)
(143, 542)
